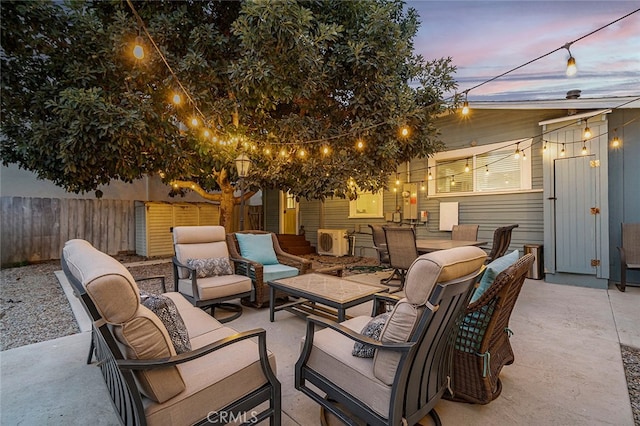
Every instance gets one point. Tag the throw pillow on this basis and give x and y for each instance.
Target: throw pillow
(373, 329)
(166, 311)
(493, 270)
(257, 247)
(212, 267)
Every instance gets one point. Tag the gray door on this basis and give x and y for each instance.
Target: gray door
(575, 233)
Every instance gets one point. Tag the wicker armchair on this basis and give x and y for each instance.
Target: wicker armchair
(501, 241)
(482, 345)
(255, 270)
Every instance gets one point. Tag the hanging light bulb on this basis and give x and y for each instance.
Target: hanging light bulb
(562, 151)
(584, 149)
(283, 153)
(360, 144)
(138, 48)
(544, 148)
(430, 177)
(587, 132)
(422, 186)
(206, 133)
(325, 150)
(615, 142)
(302, 153)
(516, 155)
(177, 99)
(466, 167)
(194, 121)
(397, 179)
(572, 69)
(524, 155)
(267, 151)
(404, 131)
(453, 180)
(486, 171)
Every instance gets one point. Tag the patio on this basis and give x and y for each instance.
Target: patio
(568, 367)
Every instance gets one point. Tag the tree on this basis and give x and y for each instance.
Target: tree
(294, 85)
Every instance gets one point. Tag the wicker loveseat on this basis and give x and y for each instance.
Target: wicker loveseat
(256, 270)
(219, 375)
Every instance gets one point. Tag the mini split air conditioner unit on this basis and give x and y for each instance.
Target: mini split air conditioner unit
(333, 242)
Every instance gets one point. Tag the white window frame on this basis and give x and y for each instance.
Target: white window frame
(353, 205)
(525, 169)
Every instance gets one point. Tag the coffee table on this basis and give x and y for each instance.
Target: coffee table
(314, 289)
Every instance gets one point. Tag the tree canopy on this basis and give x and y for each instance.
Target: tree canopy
(314, 92)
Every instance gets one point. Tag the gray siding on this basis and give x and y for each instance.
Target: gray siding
(624, 184)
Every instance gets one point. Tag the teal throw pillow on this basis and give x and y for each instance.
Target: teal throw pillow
(493, 270)
(257, 247)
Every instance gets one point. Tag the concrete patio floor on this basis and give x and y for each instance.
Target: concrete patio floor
(568, 368)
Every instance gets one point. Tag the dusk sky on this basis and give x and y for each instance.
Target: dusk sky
(487, 38)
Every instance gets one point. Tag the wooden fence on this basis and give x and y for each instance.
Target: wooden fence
(35, 229)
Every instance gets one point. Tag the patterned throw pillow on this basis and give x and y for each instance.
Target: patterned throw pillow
(212, 267)
(373, 329)
(166, 311)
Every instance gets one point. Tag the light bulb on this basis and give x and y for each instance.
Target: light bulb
(397, 181)
(615, 142)
(267, 151)
(430, 176)
(325, 150)
(584, 150)
(360, 144)
(544, 148)
(562, 151)
(486, 171)
(206, 133)
(422, 187)
(302, 153)
(138, 49)
(283, 153)
(194, 122)
(404, 131)
(176, 99)
(572, 69)
(524, 156)
(465, 108)
(587, 132)
(516, 155)
(466, 167)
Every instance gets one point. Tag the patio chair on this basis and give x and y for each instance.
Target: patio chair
(408, 370)
(629, 252)
(380, 244)
(203, 272)
(464, 232)
(482, 346)
(263, 260)
(401, 246)
(501, 241)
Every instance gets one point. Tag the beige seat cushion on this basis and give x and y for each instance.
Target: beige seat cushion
(215, 287)
(212, 382)
(425, 272)
(331, 357)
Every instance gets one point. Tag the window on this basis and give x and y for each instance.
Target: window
(367, 205)
(491, 168)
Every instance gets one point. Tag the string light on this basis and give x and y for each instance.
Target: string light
(615, 142)
(453, 180)
(466, 167)
(422, 186)
(430, 176)
(325, 150)
(584, 148)
(562, 152)
(544, 148)
(360, 144)
(572, 69)
(516, 155)
(138, 48)
(587, 130)
(194, 121)
(404, 131)
(177, 99)
(397, 179)
(486, 171)
(465, 104)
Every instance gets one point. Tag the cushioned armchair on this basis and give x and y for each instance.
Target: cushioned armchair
(263, 260)
(410, 361)
(168, 362)
(204, 273)
(482, 346)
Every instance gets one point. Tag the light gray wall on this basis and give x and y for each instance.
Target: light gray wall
(624, 184)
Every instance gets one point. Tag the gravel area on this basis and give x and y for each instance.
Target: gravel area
(34, 308)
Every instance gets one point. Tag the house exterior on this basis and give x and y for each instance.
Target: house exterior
(567, 192)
